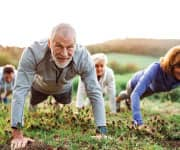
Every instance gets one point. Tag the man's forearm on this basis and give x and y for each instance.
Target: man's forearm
(99, 112)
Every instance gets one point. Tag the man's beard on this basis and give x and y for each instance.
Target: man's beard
(61, 65)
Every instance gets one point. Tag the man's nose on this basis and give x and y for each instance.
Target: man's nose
(64, 52)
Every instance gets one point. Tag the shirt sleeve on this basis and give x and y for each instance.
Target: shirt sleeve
(23, 82)
(93, 90)
(139, 89)
(111, 90)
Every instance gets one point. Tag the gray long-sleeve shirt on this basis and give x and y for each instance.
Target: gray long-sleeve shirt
(36, 68)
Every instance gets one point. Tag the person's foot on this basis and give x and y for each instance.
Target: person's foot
(122, 96)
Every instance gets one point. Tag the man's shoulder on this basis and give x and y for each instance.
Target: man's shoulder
(39, 46)
(81, 54)
(37, 50)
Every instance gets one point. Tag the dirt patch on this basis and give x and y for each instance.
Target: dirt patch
(172, 143)
(30, 146)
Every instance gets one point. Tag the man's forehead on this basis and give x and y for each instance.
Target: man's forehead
(64, 34)
(64, 38)
(64, 42)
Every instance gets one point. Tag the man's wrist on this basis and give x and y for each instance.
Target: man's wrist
(17, 133)
(101, 130)
(17, 130)
(17, 126)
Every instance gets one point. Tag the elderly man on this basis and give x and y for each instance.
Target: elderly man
(7, 76)
(47, 68)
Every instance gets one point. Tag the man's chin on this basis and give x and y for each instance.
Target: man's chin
(63, 64)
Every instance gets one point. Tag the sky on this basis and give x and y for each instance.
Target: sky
(95, 21)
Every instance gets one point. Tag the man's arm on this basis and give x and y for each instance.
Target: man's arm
(23, 82)
(140, 88)
(93, 90)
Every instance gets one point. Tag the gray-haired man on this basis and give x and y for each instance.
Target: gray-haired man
(47, 68)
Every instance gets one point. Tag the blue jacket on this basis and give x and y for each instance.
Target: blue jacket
(146, 82)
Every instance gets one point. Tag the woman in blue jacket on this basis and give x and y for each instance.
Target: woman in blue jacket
(160, 76)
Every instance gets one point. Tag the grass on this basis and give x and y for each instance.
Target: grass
(64, 127)
(140, 60)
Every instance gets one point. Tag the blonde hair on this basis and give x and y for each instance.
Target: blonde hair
(100, 56)
(171, 59)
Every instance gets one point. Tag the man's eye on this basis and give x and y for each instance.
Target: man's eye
(60, 46)
(70, 47)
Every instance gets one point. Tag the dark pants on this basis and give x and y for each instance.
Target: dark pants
(126, 95)
(38, 97)
(129, 90)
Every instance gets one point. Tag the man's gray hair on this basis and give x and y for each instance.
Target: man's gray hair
(65, 29)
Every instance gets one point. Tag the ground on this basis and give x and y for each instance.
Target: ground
(63, 128)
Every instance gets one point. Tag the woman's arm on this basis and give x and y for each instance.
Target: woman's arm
(140, 88)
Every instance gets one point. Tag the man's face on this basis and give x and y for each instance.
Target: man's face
(8, 77)
(62, 49)
(100, 67)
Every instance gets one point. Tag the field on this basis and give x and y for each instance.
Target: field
(63, 127)
(67, 128)
(139, 60)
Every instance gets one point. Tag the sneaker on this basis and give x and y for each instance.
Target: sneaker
(122, 96)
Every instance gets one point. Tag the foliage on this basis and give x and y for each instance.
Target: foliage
(122, 69)
(173, 95)
(148, 47)
(9, 55)
(139, 60)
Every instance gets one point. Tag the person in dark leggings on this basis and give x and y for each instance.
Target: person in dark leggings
(38, 97)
